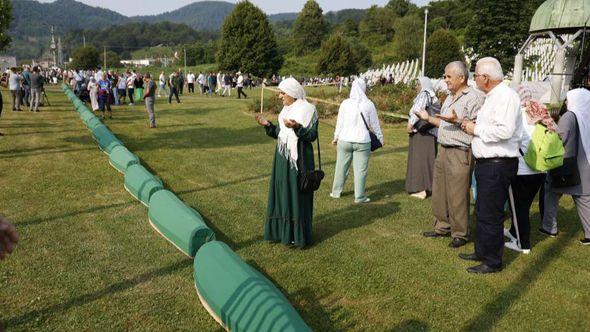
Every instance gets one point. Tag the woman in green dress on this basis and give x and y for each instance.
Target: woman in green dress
(289, 212)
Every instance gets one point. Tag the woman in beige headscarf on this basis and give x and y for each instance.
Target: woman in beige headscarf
(289, 212)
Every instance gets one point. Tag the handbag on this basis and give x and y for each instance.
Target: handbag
(568, 174)
(375, 142)
(423, 126)
(309, 181)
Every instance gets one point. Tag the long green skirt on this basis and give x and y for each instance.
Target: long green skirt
(289, 212)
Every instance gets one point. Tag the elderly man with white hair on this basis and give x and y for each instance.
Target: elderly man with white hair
(290, 211)
(454, 162)
(497, 136)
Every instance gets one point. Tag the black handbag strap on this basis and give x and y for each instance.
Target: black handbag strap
(365, 121)
(319, 153)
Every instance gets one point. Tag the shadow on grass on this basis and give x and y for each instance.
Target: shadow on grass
(71, 214)
(56, 309)
(410, 325)
(17, 153)
(497, 308)
(48, 132)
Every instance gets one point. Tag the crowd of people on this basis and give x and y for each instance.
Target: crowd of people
(474, 143)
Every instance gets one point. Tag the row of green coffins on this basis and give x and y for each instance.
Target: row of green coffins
(235, 294)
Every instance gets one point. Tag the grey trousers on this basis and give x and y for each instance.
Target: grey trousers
(34, 103)
(358, 154)
(149, 105)
(552, 205)
(15, 94)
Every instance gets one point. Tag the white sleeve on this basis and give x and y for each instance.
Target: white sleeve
(339, 121)
(374, 122)
(502, 121)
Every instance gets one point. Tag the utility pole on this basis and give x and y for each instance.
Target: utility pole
(59, 54)
(84, 39)
(105, 57)
(185, 61)
(424, 44)
(52, 45)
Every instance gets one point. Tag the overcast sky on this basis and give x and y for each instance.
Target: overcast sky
(151, 7)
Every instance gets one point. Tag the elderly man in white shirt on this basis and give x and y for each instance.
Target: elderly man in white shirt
(497, 136)
(356, 115)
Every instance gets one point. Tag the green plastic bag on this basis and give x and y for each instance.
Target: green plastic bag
(138, 94)
(545, 150)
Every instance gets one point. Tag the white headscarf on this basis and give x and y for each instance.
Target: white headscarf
(300, 111)
(578, 102)
(426, 85)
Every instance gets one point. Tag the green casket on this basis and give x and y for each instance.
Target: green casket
(141, 184)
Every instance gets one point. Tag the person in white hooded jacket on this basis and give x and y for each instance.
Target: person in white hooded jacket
(356, 115)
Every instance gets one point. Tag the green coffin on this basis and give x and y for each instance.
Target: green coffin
(121, 158)
(106, 140)
(239, 297)
(141, 184)
(93, 123)
(181, 225)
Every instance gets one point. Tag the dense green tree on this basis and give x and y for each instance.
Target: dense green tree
(113, 60)
(442, 47)
(499, 28)
(86, 58)
(199, 53)
(401, 7)
(362, 56)
(248, 43)
(408, 38)
(337, 57)
(377, 27)
(5, 18)
(310, 28)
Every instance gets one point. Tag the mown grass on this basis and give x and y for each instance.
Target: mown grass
(88, 259)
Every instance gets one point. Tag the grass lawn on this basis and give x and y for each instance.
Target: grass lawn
(89, 260)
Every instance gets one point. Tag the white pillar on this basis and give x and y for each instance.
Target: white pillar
(557, 77)
(517, 76)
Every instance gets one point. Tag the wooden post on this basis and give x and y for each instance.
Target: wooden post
(261, 97)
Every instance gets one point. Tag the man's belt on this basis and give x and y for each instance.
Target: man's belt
(496, 160)
(462, 148)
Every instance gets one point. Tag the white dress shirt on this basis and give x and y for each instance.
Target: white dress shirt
(498, 129)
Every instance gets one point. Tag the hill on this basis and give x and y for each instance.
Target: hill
(204, 15)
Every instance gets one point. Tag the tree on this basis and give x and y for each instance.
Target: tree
(499, 28)
(337, 57)
(442, 47)
(85, 58)
(408, 38)
(5, 18)
(362, 56)
(113, 60)
(310, 28)
(248, 43)
(400, 7)
(377, 27)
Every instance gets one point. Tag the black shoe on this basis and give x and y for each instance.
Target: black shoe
(543, 231)
(457, 242)
(470, 257)
(434, 234)
(483, 269)
(585, 241)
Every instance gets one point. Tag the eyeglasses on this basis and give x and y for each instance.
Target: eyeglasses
(477, 75)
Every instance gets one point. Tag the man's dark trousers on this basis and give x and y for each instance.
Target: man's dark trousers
(174, 91)
(493, 180)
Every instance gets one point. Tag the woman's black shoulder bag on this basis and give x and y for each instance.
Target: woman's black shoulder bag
(375, 142)
(310, 180)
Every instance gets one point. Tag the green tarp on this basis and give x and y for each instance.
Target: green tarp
(238, 295)
(141, 184)
(178, 223)
(121, 158)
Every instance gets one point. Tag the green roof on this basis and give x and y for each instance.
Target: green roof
(561, 15)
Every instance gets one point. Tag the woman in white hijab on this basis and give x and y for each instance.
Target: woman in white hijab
(422, 146)
(574, 129)
(353, 140)
(289, 212)
(93, 90)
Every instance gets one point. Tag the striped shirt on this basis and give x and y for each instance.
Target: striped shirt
(466, 105)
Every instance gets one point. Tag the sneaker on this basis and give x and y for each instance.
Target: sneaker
(334, 196)
(514, 246)
(509, 236)
(585, 241)
(365, 200)
(543, 231)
